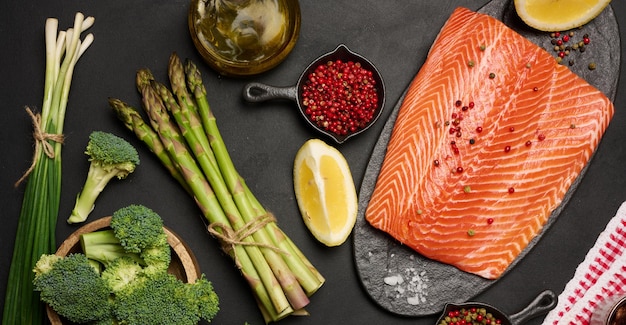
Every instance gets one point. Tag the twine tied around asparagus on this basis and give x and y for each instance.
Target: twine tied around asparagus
(230, 237)
(41, 143)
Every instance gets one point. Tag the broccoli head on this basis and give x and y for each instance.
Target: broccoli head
(110, 156)
(204, 297)
(72, 287)
(140, 230)
(164, 299)
(137, 232)
(133, 286)
(138, 227)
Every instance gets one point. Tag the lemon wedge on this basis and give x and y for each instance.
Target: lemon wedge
(558, 15)
(325, 192)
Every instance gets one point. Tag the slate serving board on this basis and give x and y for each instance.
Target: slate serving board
(405, 283)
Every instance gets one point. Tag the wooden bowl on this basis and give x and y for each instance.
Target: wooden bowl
(184, 264)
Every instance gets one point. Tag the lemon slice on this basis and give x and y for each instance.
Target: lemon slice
(325, 192)
(558, 15)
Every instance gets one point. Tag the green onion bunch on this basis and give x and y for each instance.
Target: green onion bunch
(36, 226)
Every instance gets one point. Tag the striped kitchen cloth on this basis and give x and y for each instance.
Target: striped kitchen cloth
(600, 277)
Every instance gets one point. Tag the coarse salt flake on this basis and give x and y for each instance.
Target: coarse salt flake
(410, 284)
(393, 280)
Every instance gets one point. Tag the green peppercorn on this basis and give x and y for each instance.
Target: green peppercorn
(492, 75)
(592, 66)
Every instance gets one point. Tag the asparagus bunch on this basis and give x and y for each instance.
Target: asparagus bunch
(182, 133)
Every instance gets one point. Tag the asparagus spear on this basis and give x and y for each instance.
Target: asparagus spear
(184, 117)
(308, 277)
(134, 122)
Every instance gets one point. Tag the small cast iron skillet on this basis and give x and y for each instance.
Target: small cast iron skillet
(542, 304)
(258, 92)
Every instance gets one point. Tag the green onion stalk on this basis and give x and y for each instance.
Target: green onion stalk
(35, 234)
(279, 274)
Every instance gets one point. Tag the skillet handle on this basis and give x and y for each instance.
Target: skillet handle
(256, 92)
(542, 304)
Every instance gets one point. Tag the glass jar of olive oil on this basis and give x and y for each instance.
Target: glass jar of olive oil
(244, 37)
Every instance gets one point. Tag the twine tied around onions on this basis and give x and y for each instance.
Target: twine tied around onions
(41, 143)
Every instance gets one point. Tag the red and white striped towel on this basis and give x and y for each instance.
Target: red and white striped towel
(601, 276)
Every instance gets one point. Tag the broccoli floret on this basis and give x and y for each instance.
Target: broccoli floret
(104, 247)
(106, 321)
(45, 264)
(203, 295)
(138, 227)
(110, 156)
(156, 258)
(164, 299)
(72, 287)
(135, 256)
(97, 266)
(120, 273)
(140, 230)
(136, 231)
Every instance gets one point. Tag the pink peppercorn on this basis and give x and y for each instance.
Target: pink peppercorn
(340, 97)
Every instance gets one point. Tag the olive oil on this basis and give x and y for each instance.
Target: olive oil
(244, 33)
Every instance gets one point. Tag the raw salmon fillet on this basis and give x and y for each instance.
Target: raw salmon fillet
(490, 136)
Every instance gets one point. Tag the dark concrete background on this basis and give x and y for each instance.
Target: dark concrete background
(262, 139)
